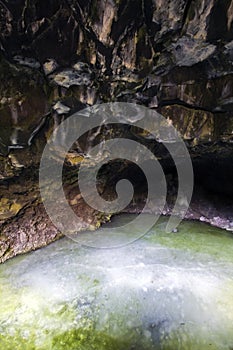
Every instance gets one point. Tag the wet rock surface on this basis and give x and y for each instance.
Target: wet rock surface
(59, 58)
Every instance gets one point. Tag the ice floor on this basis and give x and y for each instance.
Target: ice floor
(164, 291)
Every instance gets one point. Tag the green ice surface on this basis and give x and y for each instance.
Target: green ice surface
(165, 291)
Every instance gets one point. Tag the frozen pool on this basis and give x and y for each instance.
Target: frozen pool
(165, 291)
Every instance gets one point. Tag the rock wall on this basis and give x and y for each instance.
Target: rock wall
(116, 34)
(59, 56)
(177, 55)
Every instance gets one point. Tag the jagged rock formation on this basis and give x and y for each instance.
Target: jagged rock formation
(60, 56)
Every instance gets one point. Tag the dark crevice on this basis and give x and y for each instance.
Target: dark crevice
(186, 13)
(187, 105)
(148, 14)
(101, 48)
(214, 174)
(217, 28)
(127, 16)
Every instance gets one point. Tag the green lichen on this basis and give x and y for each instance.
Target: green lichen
(8, 342)
(83, 339)
(177, 341)
(26, 324)
(198, 238)
(87, 339)
(73, 339)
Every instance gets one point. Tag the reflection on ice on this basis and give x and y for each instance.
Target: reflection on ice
(164, 291)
